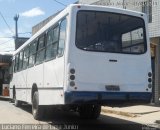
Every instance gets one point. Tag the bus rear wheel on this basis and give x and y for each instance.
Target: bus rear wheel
(89, 111)
(37, 110)
(17, 103)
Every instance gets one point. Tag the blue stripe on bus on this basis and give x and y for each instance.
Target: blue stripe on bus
(104, 97)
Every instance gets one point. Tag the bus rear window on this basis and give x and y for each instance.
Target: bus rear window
(110, 32)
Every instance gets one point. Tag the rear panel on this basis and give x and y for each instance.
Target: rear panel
(110, 56)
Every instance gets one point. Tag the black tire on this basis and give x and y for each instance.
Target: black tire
(16, 102)
(90, 111)
(37, 110)
(14, 93)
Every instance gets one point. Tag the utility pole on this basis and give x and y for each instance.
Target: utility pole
(18, 40)
(16, 17)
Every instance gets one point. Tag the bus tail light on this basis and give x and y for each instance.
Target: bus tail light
(149, 74)
(72, 71)
(72, 77)
(72, 83)
(78, 6)
(149, 80)
(149, 85)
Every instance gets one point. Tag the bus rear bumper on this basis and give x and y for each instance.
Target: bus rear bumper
(106, 98)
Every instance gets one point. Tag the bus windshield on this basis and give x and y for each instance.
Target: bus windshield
(110, 32)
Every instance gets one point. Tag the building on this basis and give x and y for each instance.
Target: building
(37, 27)
(152, 9)
(19, 41)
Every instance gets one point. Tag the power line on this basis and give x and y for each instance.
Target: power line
(25, 33)
(5, 37)
(6, 41)
(7, 49)
(60, 3)
(20, 33)
(6, 22)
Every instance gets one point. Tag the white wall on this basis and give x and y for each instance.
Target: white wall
(87, 1)
(154, 27)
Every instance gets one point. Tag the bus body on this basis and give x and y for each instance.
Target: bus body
(85, 55)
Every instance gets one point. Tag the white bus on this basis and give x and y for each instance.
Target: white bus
(85, 57)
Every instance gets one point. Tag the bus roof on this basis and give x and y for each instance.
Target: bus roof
(82, 6)
(110, 7)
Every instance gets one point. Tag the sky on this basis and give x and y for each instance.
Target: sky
(30, 13)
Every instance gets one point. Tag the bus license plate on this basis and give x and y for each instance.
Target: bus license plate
(112, 87)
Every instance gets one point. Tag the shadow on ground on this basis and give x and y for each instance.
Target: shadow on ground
(70, 120)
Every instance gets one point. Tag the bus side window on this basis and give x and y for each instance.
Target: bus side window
(14, 62)
(62, 38)
(52, 43)
(41, 50)
(32, 54)
(25, 57)
(20, 60)
(17, 62)
(11, 70)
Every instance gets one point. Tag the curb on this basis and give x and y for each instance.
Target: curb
(105, 110)
(143, 113)
(157, 121)
(3, 98)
